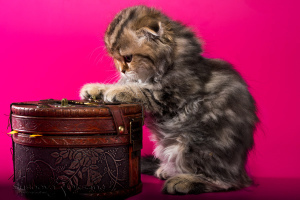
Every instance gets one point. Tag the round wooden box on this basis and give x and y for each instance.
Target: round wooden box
(77, 148)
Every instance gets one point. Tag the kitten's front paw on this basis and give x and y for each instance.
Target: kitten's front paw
(119, 94)
(93, 89)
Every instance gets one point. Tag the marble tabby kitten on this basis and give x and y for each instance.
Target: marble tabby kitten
(199, 110)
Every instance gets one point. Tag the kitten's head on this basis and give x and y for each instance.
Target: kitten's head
(140, 40)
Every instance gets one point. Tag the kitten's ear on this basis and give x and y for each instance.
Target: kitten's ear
(151, 28)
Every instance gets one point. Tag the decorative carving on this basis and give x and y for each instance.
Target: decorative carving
(77, 170)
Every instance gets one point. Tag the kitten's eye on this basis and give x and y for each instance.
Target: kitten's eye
(127, 58)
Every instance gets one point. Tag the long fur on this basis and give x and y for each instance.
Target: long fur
(149, 164)
(200, 112)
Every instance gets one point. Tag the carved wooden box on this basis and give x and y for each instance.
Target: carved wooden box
(77, 148)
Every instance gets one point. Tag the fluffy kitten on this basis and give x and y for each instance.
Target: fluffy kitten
(199, 110)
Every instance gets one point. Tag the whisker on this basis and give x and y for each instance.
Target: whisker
(108, 78)
(92, 53)
(100, 58)
(114, 76)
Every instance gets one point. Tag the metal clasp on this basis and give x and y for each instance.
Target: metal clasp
(35, 135)
(12, 132)
(64, 102)
(93, 101)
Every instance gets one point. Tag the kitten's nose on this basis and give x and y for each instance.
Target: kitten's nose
(124, 68)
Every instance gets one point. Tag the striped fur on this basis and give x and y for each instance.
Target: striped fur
(199, 110)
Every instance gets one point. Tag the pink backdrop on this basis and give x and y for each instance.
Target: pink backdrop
(50, 48)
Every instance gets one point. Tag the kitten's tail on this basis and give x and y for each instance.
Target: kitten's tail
(149, 164)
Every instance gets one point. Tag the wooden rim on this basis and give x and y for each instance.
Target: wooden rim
(71, 141)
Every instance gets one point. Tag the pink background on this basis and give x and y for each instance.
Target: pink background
(50, 48)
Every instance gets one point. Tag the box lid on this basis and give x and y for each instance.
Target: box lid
(78, 117)
(73, 108)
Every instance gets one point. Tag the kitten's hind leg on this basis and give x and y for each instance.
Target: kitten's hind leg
(192, 184)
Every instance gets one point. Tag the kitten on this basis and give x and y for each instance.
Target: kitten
(200, 112)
